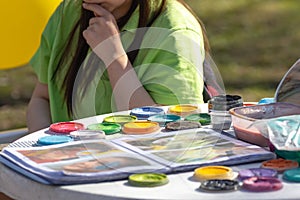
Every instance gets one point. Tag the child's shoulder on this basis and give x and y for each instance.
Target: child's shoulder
(177, 16)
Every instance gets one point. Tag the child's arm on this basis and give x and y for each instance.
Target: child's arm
(38, 111)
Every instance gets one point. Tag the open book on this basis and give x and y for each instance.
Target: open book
(90, 161)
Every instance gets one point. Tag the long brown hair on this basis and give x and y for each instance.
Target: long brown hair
(82, 47)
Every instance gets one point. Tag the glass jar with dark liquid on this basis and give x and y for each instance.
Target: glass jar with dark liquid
(218, 108)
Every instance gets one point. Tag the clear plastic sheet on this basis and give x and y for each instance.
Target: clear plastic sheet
(283, 132)
(288, 89)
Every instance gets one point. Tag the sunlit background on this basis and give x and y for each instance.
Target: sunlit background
(253, 44)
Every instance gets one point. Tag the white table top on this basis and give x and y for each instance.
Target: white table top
(180, 186)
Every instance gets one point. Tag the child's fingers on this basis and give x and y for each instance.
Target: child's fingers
(96, 9)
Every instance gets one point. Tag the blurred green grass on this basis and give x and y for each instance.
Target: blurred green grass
(16, 86)
(253, 44)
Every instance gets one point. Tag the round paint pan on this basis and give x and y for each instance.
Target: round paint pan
(219, 185)
(87, 134)
(143, 113)
(120, 119)
(292, 175)
(264, 172)
(182, 125)
(140, 127)
(280, 164)
(262, 184)
(54, 139)
(148, 179)
(65, 127)
(164, 119)
(213, 172)
(183, 110)
(109, 128)
(202, 118)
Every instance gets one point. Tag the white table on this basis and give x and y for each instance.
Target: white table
(180, 185)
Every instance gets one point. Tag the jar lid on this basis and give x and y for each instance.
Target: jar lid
(66, 127)
(226, 99)
(224, 102)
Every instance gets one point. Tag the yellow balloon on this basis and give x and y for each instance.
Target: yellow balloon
(22, 23)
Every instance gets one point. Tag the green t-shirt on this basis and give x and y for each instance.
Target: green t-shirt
(169, 63)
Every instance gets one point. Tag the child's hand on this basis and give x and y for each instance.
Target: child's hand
(102, 34)
(101, 27)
